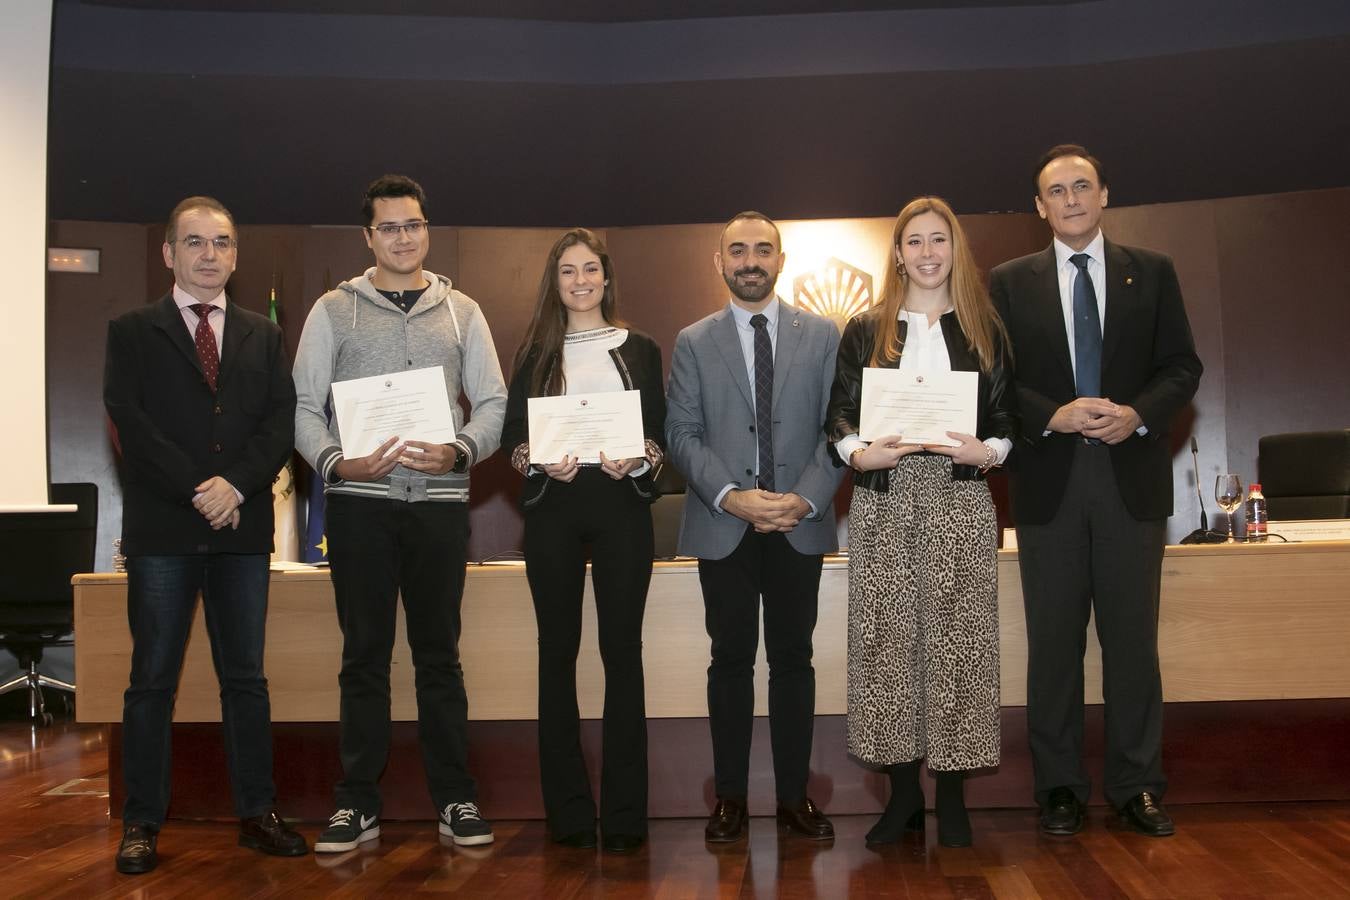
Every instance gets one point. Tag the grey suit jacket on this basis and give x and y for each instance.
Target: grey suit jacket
(710, 418)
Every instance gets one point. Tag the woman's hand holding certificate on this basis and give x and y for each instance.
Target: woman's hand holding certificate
(583, 426)
(919, 407)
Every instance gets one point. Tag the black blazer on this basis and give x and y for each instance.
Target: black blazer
(997, 410)
(1148, 362)
(174, 433)
(638, 360)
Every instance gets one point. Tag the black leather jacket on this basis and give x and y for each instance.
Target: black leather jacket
(638, 360)
(997, 416)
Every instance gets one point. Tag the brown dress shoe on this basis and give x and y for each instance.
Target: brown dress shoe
(136, 855)
(727, 822)
(269, 834)
(807, 820)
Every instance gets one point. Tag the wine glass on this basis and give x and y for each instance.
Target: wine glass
(1228, 491)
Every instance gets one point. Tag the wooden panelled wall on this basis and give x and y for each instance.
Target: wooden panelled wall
(1265, 278)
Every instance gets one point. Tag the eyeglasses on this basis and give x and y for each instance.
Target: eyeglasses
(391, 229)
(197, 242)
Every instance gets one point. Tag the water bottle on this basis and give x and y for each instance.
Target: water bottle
(1256, 513)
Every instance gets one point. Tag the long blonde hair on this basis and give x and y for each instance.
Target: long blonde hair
(979, 321)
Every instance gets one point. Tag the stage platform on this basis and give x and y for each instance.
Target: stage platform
(1252, 644)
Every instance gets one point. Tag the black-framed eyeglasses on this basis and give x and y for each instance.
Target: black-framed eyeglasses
(391, 229)
(197, 242)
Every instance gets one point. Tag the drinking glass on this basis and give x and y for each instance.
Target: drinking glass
(1228, 491)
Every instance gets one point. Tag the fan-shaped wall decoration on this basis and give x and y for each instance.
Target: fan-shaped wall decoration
(837, 291)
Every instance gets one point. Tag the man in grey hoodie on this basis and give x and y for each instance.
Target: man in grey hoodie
(398, 519)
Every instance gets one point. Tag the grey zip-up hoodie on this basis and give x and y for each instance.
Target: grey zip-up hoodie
(354, 332)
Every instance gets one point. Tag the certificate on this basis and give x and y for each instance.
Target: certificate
(411, 405)
(581, 425)
(921, 407)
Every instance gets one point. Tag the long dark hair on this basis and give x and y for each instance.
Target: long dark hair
(543, 343)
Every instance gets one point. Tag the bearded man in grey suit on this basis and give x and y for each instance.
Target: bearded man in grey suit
(749, 386)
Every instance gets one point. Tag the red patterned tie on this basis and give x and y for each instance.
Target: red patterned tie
(205, 339)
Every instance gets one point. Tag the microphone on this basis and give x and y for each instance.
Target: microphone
(1202, 534)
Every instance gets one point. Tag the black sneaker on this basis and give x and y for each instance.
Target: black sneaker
(465, 824)
(346, 829)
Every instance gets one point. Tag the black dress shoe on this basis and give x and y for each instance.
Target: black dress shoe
(1062, 812)
(269, 834)
(807, 820)
(136, 854)
(581, 840)
(1145, 815)
(621, 843)
(727, 822)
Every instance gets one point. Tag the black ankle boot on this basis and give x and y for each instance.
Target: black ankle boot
(904, 810)
(953, 822)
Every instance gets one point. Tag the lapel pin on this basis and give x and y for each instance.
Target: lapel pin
(1129, 279)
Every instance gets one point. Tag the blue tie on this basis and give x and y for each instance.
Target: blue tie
(763, 398)
(1087, 331)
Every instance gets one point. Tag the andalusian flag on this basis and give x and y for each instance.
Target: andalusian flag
(285, 539)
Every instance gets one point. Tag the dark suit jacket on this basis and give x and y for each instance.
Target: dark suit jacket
(174, 433)
(638, 360)
(1148, 362)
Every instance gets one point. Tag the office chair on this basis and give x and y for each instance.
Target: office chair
(1306, 474)
(39, 553)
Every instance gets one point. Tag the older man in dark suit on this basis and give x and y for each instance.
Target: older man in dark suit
(1103, 361)
(201, 395)
(745, 409)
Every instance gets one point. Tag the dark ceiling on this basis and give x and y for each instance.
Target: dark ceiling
(567, 10)
(1239, 118)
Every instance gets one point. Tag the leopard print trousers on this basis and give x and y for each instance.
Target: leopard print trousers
(923, 678)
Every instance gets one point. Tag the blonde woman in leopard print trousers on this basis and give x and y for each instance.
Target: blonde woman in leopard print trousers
(923, 586)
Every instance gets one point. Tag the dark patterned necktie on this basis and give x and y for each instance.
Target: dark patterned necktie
(764, 398)
(205, 339)
(1087, 331)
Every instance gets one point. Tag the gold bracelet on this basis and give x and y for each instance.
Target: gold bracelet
(856, 451)
(989, 457)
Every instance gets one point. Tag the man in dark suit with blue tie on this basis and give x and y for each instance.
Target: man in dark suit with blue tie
(1103, 361)
(749, 386)
(200, 393)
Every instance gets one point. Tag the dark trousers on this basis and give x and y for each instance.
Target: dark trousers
(379, 549)
(161, 599)
(593, 509)
(1093, 557)
(762, 565)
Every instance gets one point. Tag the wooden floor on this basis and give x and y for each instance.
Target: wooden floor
(56, 840)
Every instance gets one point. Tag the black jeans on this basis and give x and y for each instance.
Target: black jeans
(161, 599)
(608, 515)
(379, 549)
(767, 565)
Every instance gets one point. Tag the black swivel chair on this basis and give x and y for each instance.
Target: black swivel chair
(1306, 474)
(667, 511)
(39, 552)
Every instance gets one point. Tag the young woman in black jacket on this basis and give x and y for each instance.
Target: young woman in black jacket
(576, 344)
(923, 678)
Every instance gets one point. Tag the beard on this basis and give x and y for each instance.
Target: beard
(750, 293)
